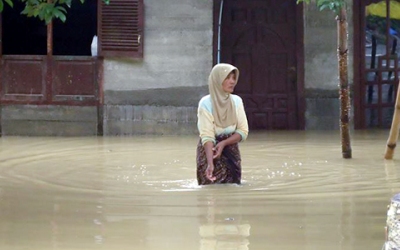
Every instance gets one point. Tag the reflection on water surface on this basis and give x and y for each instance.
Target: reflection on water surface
(141, 193)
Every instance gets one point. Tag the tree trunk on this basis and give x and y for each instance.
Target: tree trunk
(344, 92)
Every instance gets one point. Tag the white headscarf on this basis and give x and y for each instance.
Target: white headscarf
(224, 111)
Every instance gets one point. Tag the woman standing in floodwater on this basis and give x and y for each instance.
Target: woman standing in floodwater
(222, 124)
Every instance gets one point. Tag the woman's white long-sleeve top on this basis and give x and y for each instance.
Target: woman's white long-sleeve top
(206, 125)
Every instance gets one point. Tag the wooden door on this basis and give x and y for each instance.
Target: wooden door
(259, 37)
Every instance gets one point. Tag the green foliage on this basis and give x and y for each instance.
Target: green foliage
(43, 9)
(333, 5)
(9, 2)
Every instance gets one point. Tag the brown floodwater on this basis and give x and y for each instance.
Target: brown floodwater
(141, 192)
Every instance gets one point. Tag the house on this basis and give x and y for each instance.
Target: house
(154, 57)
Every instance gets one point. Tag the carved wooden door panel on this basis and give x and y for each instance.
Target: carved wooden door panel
(259, 37)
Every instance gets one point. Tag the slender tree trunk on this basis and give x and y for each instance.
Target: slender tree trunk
(394, 130)
(344, 91)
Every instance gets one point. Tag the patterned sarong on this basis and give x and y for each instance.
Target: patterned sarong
(227, 168)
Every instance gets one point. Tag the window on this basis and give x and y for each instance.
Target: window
(74, 36)
(22, 35)
(121, 28)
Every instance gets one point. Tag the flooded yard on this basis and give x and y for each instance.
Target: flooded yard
(141, 192)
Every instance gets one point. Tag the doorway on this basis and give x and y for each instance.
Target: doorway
(377, 37)
(264, 39)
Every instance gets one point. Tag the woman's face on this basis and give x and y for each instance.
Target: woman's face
(228, 85)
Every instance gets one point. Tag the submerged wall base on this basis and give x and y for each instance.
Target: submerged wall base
(49, 120)
(155, 120)
(35, 120)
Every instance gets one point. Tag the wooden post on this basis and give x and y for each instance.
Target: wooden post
(392, 241)
(394, 130)
(49, 59)
(100, 95)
